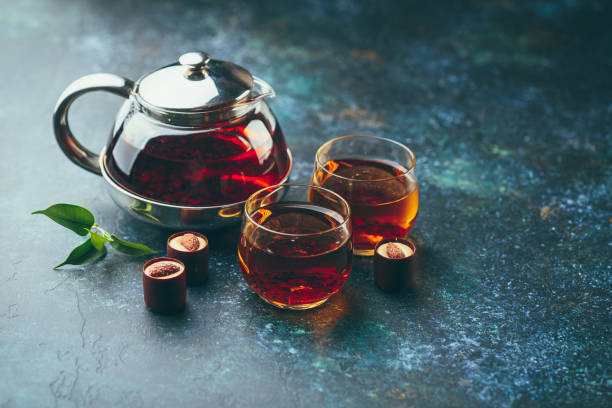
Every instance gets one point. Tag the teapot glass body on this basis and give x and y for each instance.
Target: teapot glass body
(199, 166)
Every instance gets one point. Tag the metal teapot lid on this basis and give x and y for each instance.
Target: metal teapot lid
(197, 90)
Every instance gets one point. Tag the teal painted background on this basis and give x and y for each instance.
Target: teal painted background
(508, 108)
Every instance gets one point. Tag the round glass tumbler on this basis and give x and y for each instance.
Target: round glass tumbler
(376, 176)
(293, 252)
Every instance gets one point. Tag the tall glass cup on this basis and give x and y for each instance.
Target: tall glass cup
(376, 176)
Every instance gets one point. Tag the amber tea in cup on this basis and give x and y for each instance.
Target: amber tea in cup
(294, 253)
(376, 176)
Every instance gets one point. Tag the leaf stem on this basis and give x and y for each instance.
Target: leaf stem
(102, 231)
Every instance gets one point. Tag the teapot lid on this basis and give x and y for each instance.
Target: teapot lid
(195, 84)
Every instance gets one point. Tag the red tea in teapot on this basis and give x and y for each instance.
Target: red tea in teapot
(201, 168)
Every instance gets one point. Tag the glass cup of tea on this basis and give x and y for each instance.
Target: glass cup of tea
(294, 252)
(376, 176)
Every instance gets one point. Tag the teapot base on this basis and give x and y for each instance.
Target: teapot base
(171, 216)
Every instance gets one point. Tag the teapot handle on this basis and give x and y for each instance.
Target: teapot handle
(66, 140)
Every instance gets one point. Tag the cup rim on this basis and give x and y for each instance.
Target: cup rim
(321, 165)
(345, 221)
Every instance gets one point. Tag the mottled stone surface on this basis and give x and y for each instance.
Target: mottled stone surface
(508, 108)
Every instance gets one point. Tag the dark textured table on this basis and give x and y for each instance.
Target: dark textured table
(508, 108)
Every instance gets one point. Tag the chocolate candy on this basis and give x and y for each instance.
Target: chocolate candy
(394, 264)
(191, 248)
(164, 285)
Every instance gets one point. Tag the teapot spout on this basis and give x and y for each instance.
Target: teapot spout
(261, 89)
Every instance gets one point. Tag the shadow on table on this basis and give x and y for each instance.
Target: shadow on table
(334, 321)
(224, 240)
(430, 264)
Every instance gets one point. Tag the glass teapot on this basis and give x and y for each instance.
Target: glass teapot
(192, 142)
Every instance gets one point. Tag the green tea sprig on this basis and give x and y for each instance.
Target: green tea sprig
(82, 222)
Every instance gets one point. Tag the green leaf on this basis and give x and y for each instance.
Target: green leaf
(83, 254)
(130, 248)
(73, 217)
(98, 240)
